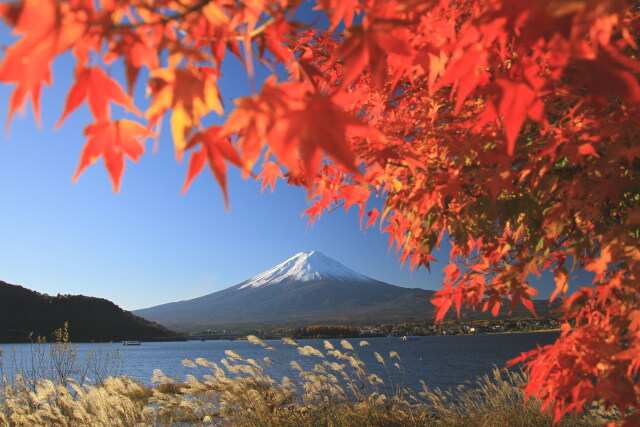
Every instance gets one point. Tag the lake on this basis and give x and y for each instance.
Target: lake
(440, 361)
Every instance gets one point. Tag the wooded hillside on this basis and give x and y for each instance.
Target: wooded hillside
(25, 313)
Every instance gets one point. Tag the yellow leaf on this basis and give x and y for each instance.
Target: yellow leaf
(215, 15)
(181, 123)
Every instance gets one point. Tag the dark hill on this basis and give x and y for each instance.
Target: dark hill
(24, 312)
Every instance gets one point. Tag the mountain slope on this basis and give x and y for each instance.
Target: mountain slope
(307, 288)
(23, 311)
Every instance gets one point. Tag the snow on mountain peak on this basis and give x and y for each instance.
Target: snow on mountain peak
(305, 266)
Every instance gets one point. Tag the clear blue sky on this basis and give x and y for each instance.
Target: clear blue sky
(149, 245)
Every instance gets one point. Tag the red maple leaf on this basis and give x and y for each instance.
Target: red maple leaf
(112, 140)
(517, 101)
(320, 125)
(270, 172)
(98, 89)
(599, 265)
(214, 149)
(47, 28)
(339, 10)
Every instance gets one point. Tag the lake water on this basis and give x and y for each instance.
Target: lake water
(441, 361)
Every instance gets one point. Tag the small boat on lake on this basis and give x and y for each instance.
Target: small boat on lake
(410, 338)
(130, 342)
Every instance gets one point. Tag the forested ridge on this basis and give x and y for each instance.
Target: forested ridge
(26, 314)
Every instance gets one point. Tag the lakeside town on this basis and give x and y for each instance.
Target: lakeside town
(450, 327)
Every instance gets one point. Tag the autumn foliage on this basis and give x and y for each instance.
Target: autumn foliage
(508, 127)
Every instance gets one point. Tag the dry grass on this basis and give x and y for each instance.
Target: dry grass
(498, 400)
(337, 391)
(58, 361)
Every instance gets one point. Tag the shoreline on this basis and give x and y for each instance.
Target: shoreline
(271, 338)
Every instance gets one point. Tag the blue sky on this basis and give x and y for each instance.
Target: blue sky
(149, 245)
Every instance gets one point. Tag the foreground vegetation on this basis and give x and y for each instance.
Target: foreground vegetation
(335, 388)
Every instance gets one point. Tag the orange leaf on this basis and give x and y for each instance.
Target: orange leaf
(215, 149)
(76, 95)
(528, 303)
(251, 120)
(112, 140)
(467, 68)
(517, 101)
(339, 10)
(444, 299)
(496, 307)
(442, 307)
(28, 62)
(610, 73)
(276, 38)
(599, 265)
(98, 88)
(318, 126)
(373, 216)
(196, 163)
(370, 49)
(270, 172)
(47, 28)
(587, 150)
(562, 284)
(315, 211)
(190, 93)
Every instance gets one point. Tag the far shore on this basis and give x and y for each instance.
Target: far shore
(274, 338)
(523, 332)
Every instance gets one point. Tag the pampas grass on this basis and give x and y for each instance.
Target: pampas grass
(59, 361)
(336, 389)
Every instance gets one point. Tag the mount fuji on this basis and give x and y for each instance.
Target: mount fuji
(305, 289)
(305, 267)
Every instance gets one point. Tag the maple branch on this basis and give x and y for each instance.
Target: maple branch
(256, 32)
(336, 208)
(400, 165)
(165, 20)
(269, 22)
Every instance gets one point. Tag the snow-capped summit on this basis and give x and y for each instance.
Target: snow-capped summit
(305, 266)
(307, 289)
